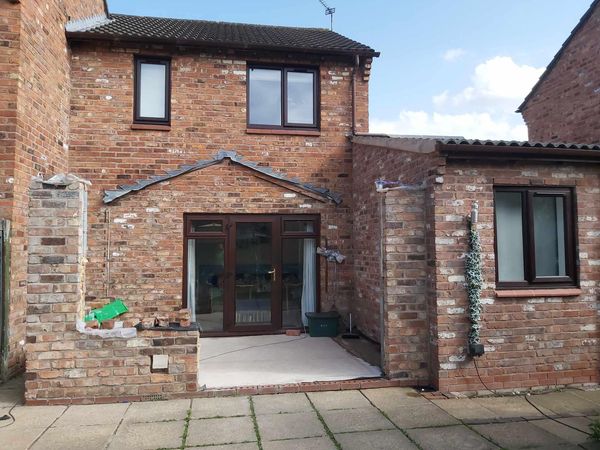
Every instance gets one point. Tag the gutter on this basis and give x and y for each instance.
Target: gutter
(466, 151)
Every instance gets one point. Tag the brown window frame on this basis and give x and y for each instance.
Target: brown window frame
(137, 118)
(529, 265)
(285, 124)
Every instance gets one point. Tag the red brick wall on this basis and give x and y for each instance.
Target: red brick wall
(565, 106)
(34, 122)
(529, 341)
(208, 114)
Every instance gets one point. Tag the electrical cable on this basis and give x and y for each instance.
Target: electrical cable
(526, 396)
(9, 416)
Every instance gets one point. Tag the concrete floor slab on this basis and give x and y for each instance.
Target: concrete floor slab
(362, 419)
(281, 403)
(566, 403)
(318, 443)
(427, 415)
(375, 440)
(92, 415)
(157, 411)
(324, 401)
(522, 435)
(19, 436)
(37, 416)
(568, 434)
(465, 409)
(289, 426)
(203, 408)
(509, 407)
(142, 436)
(443, 438)
(277, 359)
(78, 438)
(228, 430)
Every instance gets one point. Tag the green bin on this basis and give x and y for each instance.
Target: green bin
(323, 324)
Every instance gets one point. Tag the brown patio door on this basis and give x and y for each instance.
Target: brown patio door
(248, 274)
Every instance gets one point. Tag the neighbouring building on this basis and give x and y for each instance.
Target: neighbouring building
(211, 160)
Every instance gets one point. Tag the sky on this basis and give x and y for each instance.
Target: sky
(447, 67)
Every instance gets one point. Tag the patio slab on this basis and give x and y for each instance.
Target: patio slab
(247, 446)
(392, 398)
(325, 401)
(220, 407)
(157, 411)
(20, 436)
(274, 427)
(228, 430)
(362, 419)
(143, 436)
(318, 443)
(510, 407)
(566, 403)
(568, 434)
(427, 415)
(37, 416)
(281, 403)
(522, 435)
(457, 436)
(92, 415)
(375, 440)
(466, 410)
(78, 438)
(277, 359)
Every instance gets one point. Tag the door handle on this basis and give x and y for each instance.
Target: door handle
(273, 273)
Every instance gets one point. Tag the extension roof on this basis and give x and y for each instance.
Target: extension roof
(123, 190)
(203, 33)
(560, 52)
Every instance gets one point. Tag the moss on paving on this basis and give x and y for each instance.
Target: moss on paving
(327, 430)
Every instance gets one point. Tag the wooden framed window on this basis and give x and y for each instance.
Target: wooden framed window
(535, 237)
(283, 97)
(152, 90)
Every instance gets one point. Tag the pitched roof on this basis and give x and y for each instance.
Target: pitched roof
(558, 55)
(205, 33)
(123, 190)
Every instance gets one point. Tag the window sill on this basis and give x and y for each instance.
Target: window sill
(522, 293)
(150, 126)
(283, 131)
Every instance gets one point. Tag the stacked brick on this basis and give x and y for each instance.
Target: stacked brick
(64, 365)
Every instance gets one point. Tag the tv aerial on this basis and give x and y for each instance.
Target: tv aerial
(328, 11)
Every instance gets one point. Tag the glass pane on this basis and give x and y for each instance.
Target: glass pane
(254, 273)
(509, 236)
(207, 226)
(298, 226)
(300, 98)
(265, 97)
(205, 282)
(153, 90)
(549, 229)
(299, 280)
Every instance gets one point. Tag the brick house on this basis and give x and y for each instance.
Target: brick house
(220, 156)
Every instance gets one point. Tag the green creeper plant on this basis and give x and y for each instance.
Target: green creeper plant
(474, 280)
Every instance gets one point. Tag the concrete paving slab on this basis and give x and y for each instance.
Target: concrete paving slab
(362, 419)
(281, 403)
(277, 359)
(248, 446)
(157, 411)
(465, 409)
(92, 415)
(443, 438)
(143, 436)
(273, 427)
(391, 398)
(37, 416)
(428, 415)
(325, 401)
(78, 438)
(318, 443)
(228, 430)
(375, 440)
(581, 423)
(509, 407)
(568, 434)
(565, 403)
(589, 395)
(17, 437)
(220, 407)
(522, 435)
